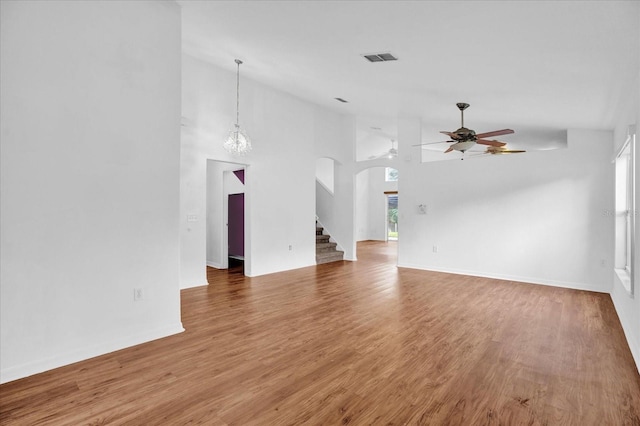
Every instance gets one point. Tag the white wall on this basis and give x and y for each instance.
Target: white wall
(280, 179)
(371, 204)
(334, 138)
(336, 210)
(362, 205)
(325, 173)
(90, 111)
(215, 224)
(536, 217)
(628, 307)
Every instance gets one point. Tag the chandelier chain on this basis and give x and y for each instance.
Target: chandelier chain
(238, 61)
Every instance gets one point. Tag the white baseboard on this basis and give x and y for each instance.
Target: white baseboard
(215, 265)
(528, 280)
(46, 364)
(194, 285)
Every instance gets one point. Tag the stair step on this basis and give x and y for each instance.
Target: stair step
(329, 257)
(326, 250)
(327, 245)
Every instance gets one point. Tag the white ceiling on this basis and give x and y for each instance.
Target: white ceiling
(538, 67)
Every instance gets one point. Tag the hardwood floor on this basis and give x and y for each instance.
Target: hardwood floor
(356, 343)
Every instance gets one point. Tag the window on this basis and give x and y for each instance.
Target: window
(625, 213)
(391, 175)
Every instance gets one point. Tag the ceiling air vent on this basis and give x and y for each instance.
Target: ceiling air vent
(380, 57)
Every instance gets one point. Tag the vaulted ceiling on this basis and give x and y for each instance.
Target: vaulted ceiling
(538, 67)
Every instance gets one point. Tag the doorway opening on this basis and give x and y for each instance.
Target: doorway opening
(226, 233)
(376, 206)
(235, 226)
(392, 216)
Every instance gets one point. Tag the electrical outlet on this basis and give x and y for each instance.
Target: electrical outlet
(138, 294)
(435, 249)
(290, 247)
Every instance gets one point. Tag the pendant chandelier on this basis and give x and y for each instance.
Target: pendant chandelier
(238, 142)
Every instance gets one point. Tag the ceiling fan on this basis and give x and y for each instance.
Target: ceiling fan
(391, 153)
(464, 138)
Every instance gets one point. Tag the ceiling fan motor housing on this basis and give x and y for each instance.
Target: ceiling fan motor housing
(464, 134)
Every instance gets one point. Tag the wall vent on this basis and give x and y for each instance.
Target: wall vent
(380, 57)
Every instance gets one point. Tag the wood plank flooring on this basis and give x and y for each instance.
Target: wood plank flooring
(358, 343)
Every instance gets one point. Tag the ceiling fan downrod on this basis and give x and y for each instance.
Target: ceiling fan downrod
(462, 106)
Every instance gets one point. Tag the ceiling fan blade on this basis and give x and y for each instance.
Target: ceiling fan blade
(508, 152)
(491, 143)
(431, 143)
(495, 133)
(449, 149)
(450, 134)
(499, 150)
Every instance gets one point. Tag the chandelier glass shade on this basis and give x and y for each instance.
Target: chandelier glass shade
(238, 143)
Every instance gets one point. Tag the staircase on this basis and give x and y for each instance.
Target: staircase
(325, 250)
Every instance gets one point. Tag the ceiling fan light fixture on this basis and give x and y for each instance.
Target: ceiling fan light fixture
(463, 146)
(393, 152)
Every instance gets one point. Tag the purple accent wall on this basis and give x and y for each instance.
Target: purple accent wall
(240, 175)
(236, 224)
